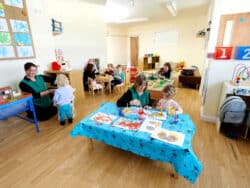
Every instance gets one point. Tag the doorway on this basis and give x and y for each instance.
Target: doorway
(134, 50)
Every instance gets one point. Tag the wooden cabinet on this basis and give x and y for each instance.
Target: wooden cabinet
(150, 62)
(75, 79)
(191, 80)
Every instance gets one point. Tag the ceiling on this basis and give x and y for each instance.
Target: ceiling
(150, 9)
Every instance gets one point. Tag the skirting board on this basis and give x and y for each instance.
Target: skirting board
(211, 119)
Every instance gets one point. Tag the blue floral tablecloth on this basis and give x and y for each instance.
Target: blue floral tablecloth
(182, 158)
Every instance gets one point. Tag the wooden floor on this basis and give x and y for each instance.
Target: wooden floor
(53, 159)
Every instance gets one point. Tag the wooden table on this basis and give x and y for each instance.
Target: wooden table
(105, 79)
(155, 88)
(191, 79)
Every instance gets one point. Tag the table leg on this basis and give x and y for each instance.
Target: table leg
(90, 144)
(174, 175)
(246, 133)
(179, 84)
(109, 87)
(197, 86)
(32, 109)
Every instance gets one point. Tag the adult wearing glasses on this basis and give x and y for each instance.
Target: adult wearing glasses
(137, 95)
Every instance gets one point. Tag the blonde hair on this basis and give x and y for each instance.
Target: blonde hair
(110, 65)
(62, 80)
(169, 91)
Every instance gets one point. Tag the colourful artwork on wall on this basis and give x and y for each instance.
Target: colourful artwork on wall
(22, 39)
(25, 51)
(19, 26)
(14, 3)
(15, 35)
(3, 25)
(5, 38)
(2, 14)
(7, 52)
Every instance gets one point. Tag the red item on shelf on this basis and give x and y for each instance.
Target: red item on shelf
(55, 66)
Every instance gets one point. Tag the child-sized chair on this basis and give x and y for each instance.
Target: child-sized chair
(93, 86)
(120, 88)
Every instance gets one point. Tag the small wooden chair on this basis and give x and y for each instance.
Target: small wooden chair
(93, 86)
(120, 88)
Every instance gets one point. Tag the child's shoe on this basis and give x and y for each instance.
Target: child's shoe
(70, 120)
(62, 122)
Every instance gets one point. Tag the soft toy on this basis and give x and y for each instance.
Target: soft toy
(65, 66)
(62, 66)
(180, 65)
(55, 66)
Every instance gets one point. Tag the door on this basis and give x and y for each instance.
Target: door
(134, 50)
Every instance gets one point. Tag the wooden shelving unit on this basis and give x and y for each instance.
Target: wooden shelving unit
(149, 62)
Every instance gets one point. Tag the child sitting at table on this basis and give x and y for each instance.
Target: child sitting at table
(118, 76)
(165, 72)
(110, 69)
(167, 103)
(63, 99)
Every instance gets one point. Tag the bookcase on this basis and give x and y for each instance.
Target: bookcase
(150, 62)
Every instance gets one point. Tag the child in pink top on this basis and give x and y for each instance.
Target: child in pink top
(167, 103)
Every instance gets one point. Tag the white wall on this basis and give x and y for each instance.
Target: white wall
(221, 7)
(118, 45)
(83, 36)
(189, 47)
(11, 71)
(219, 71)
(84, 33)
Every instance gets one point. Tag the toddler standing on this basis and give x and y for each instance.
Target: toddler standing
(63, 99)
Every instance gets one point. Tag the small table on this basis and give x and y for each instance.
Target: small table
(191, 79)
(182, 158)
(105, 79)
(18, 105)
(156, 87)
